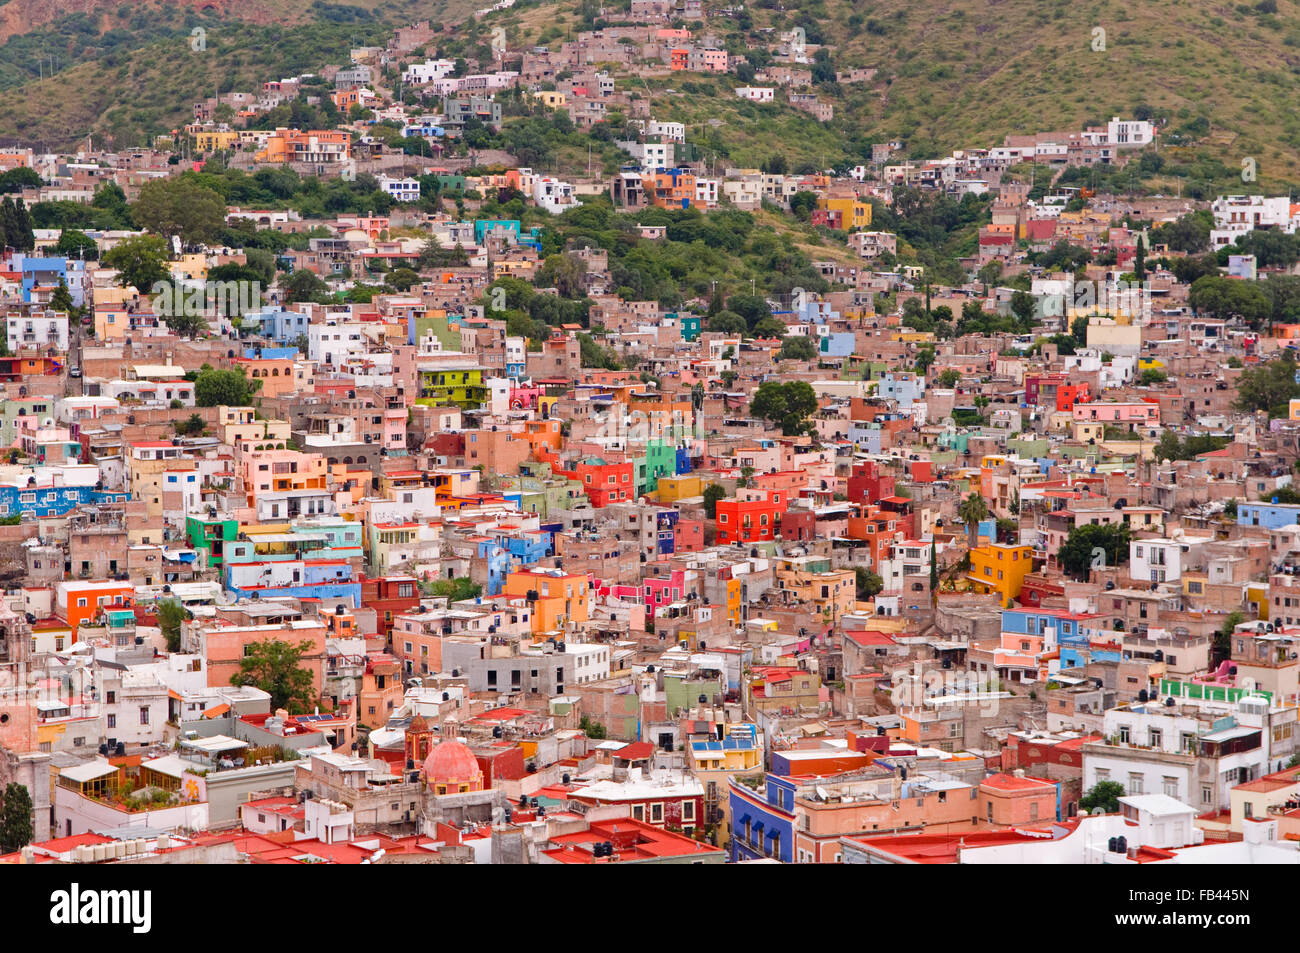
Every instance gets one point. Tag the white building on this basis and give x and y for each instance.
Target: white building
(1129, 133)
(1163, 560)
(672, 131)
(652, 156)
(49, 329)
(706, 192)
(417, 74)
(1236, 215)
(1180, 751)
(553, 196)
(590, 660)
(403, 190)
(756, 94)
(333, 341)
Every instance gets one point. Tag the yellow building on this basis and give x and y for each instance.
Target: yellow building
(213, 141)
(1000, 568)
(715, 762)
(675, 488)
(550, 98)
(853, 213)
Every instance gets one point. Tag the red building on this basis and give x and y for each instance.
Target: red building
(688, 536)
(1067, 395)
(630, 842)
(868, 483)
(604, 483)
(831, 218)
(751, 520)
(389, 596)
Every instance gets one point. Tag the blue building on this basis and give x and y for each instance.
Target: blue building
(26, 496)
(902, 387)
(486, 226)
(837, 344)
(762, 823)
(45, 272)
(270, 353)
(279, 325)
(1268, 515)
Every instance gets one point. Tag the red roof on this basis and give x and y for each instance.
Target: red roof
(636, 751)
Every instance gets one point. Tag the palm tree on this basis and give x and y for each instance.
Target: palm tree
(972, 511)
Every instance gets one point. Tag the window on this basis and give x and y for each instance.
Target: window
(656, 813)
(144, 714)
(1155, 737)
(638, 814)
(1134, 783)
(1170, 787)
(1123, 734)
(112, 721)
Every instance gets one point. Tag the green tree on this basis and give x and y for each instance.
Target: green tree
(1224, 298)
(989, 273)
(1269, 387)
(596, 355)
(753, 308)
(1140, 261)
(402, 279)
(140, 261)
(1106, 544)
(61, 300)
(191, 427)
(797, 348)
(972, 511)
(1223, 638)
(768, 328)
(948, 377)
(171, 613)
(303, 285)
(229, 388)
(789, 404)
(453, 590)
(924, 359)
(1152, 375)
(728, 322)
(712, 493)
(180, 206)
(15, 818)
(74, 243)
(1104, 795)
(592, 729)
(277, 668)
(869, 583)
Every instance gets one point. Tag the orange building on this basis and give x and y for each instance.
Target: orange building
(275, 373)
(225, 646)
(317, 146)
(671, 189)
(82, 601)
(556, 597)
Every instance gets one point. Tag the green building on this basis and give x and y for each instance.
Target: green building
(211, 534)
(660, 460)
(462, 386)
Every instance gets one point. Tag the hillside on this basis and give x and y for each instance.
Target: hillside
(1222, 78)
(965, 74)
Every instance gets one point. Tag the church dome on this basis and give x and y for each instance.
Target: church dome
(452, 763)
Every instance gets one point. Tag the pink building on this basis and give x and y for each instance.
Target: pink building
(1104, 412)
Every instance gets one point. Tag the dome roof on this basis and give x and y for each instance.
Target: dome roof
(451, 762)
